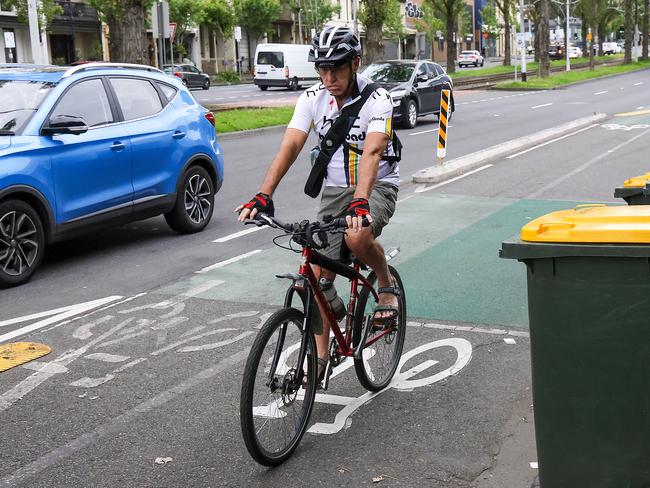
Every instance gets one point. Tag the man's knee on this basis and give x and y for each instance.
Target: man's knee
(359, 241)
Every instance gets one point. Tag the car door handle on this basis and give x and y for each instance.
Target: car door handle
(178, 135)
(118, 146)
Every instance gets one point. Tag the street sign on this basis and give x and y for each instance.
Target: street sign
(156, 23)
(442, 125)
(238, 33)
(10, 40)
(589, 36)
(172, 31)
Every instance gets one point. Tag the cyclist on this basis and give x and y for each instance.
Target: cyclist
(362, 176)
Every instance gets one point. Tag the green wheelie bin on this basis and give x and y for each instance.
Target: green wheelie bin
(635, 191)
(588, 278)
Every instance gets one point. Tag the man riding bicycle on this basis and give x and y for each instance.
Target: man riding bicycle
(362, 175)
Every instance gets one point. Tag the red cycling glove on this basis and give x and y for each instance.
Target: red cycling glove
(263, 203)
(359, 207)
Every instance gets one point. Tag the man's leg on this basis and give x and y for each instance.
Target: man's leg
(322, 339)
(371, 253)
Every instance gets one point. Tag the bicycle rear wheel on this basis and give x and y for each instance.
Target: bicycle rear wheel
(378, 361)
(274, 410)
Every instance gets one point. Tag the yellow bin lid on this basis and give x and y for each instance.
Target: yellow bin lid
(637, 181)
(592, 224)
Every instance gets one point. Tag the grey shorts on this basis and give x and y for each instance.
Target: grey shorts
(382, 207)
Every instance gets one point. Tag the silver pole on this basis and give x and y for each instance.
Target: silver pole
(523, 40)
(566, 33)
(34, 34)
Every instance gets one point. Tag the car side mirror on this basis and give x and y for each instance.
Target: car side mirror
(423, 77)
(65, 124)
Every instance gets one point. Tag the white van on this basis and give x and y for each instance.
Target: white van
(283, 65)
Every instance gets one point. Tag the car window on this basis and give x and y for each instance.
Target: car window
(274, 58)
(388, 72)
(19, 100)
(137, 98)
(88, 100)
(434, 69)
(194, 70)
(422, 70)
(169, 92)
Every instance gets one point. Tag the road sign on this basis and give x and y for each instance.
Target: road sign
(172, 31)
(442, 125)
(10, 40)
(238, 33)
(589, 36)
(156, 23)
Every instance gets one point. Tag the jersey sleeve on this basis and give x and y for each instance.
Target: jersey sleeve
(302, 115)
(380, 113)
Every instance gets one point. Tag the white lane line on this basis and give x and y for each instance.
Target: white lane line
(418, 190)
(551, 141)
(221, 264)
(543, 105)
(107, 358)
(639, 107)
(583, 167)
(428, 131)
(601, 92)
(239, 234)
(639, 83)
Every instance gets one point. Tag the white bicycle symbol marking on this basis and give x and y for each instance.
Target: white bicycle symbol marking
(401, 381)
(625, 127)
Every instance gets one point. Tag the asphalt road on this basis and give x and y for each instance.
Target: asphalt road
(154, 368)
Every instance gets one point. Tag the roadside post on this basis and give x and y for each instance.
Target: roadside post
(237, 41)
(442, 124)
(521, 41)
(588, 285)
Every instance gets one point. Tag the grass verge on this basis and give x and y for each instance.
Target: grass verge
(565, 78)
(251, 118)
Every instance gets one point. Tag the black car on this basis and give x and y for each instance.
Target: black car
(556, 52)
(415, 87)
(190, 75)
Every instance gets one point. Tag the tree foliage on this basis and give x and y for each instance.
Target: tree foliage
(429, 24)
(257, 16)
(314, 13)
(506, 7)
(47, 10)
(381, 18)
(449, 12)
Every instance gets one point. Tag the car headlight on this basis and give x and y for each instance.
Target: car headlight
(397, 94)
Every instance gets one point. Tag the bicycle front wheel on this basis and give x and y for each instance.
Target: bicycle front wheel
(275, 406)
(379, 360)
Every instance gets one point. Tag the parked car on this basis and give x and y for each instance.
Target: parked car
(95, 145)
(190, 75)
(468, 58)
(414, 86)
(283, 65)
(575, 52)
(556, 52)
(610, 48)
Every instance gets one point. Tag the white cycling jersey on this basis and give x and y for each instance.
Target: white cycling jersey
(317, 107)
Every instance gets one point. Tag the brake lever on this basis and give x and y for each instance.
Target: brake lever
(256, 222)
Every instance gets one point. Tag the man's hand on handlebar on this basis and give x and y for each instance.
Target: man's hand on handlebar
(357, 213)
(258, 204)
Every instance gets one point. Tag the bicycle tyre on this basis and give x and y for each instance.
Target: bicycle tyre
(365, 376)
(257, 360)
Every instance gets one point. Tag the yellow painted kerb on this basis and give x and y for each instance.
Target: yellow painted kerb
(632, 114)
(17, 353)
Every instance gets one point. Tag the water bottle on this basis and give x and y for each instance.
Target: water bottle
(335, 301)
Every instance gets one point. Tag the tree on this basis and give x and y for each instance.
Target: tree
(47, 10)
(313, 13)
(256, 16)
(449, 11)
(628, 11)
(218, 15)
(645, 29)
(544, 69)
(490, 23)
(506, 8)
(127, 24)
(375, 15)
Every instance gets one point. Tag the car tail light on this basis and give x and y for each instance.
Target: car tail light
(286, 71)
(254, 71)
(178, 75)
(210, 117)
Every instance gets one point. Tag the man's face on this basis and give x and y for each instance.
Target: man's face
(337, 79)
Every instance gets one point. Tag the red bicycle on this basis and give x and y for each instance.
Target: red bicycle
(280, 377)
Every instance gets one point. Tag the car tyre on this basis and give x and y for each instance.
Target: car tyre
(194, 202)
(293, 85)
(482, 63)
(206, 85)
(410, 117)
(22, 242)
(264, 87)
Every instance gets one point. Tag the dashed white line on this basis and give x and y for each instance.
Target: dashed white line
(639, 83)
(639, 107)
(427, 131)
(542, 105)
(550, 142)
(238, 234)
(601, 92)
(221, 264)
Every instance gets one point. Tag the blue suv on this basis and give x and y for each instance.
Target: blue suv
(98, 144)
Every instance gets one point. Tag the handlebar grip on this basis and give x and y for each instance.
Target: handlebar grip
(342, 223)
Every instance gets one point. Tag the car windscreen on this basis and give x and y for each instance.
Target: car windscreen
(389, 73)
(18, 102)
(171, 69)
(468, 52)
(274, 58)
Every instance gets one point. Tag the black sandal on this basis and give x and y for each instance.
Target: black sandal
(380, 322)
(322, 369)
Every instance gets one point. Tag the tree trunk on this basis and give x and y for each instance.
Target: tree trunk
(451, 45)
(645, 29)
(629, 30)
(374, 49)
(128, 34)
(507, 32)
(591, 52)
(544, 61)
(536, 47)
(600, 32)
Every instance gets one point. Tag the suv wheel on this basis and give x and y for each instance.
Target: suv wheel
(22, 242)
(263, 87)
(206, 85)
(411, 114)
(194, 202)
